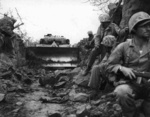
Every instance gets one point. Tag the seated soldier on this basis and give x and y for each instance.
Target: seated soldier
(98, 73)
(128, 57)
(106, 28)
(90, 40)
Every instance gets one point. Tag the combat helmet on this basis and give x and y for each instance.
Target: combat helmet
(109, 41)
(137, 18)
(89, 32)
(104, 17)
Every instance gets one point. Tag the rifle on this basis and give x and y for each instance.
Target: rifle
(18, 25)
(142, 74)
(139, 76)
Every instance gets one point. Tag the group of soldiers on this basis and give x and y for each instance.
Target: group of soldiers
(121, 59)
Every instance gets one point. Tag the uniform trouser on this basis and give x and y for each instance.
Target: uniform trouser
(95, 78)
(97, 75)
(94, 53)
(128, 93)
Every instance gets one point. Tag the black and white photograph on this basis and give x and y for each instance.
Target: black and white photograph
(74, 58)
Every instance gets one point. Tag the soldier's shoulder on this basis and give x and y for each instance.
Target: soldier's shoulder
(126, 43)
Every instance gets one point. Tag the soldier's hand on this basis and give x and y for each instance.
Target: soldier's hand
(128, 72)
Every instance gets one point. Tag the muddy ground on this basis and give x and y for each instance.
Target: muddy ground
(35, 93)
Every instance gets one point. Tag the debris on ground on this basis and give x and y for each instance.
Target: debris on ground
(29, 92)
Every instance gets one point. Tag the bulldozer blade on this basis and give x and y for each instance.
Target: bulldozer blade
(56, 57)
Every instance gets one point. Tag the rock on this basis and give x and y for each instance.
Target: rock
(16, 110)
(83, 111)
(102, 107)
(15, 88)
(75, 71)
(96, 113)
(81, 97)
(84, 106)
(96, 102)
(88, 107)
(117, 107)
(6, 75)
(72, 115)
(42, 71)
(60, 72)
(50, 80)
(108, 103)
(3, 87)
(78, 97)
(10, 97)
(18, 76)
(5, 61)
(81, 80)
(55, 115)
(60, 85)
(2, 96)
(19, 103)
(62, 93)
(27, 81)
(63, 78)
(103, 97)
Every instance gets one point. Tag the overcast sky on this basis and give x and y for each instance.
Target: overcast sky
(70, 18)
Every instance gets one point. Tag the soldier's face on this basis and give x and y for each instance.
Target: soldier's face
(105, 24)
(143, 31)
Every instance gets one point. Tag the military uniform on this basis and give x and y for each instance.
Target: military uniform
(128, 57)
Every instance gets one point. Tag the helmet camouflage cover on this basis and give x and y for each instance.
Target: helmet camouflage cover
(104, 18)
(7, 24)
(109, 41)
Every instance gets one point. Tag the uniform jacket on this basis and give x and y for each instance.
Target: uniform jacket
(128, 54)
(112, 29)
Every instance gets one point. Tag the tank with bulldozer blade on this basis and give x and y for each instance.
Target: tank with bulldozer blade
(54, 52)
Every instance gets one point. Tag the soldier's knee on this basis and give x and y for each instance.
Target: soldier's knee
(123, 90)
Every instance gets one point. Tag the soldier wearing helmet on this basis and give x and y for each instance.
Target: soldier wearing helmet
(105, 28)
(109, 41)
(129, 58)
(6, 30)
(141, 17)
(7, 25)
(9, 41)
(90, 41)
(90, 35)
(98, 72)
(104, 18)
(89, 32)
